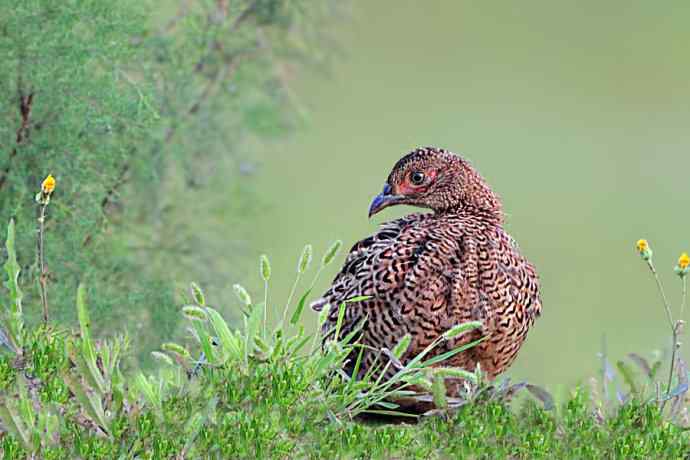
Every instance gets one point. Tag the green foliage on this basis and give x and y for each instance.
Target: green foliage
(275, 409)
(65, 110)
(140, 111)
(252, 396)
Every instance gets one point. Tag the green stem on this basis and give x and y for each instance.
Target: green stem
(674, 330)
(265, 306)
(43, 276)
(673, 362)
(667, 307)
(316, 277)
(292, 294)
(685, 296)
(317, 334)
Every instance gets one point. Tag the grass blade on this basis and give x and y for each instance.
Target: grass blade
(294, 319)
(230, 344)
(449, 354)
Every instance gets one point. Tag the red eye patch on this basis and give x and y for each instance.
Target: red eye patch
(407, 187)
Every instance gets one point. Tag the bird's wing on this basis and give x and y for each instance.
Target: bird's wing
(511, 280)
(399, 268)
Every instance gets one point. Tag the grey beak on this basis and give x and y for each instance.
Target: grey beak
(383, 200)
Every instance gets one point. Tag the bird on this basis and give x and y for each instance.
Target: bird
(426, 272)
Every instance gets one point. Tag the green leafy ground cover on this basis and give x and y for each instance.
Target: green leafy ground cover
(256, 393)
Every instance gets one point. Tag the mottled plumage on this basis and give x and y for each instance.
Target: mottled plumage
(427, 272)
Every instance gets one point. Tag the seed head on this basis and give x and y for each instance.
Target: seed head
(242, 294)
(162, 357)
(177, 349)
(197, 294)
(305, 259)
(331, 252)
(194, 312)
(265, 268)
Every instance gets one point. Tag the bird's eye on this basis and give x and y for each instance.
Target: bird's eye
(417, 178)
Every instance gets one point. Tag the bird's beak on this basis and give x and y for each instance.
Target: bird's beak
(383, 200)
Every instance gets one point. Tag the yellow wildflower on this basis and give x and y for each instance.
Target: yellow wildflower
(644, 250)
(48, 184)
(684, 261)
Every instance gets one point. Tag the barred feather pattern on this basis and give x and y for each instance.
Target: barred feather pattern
(425, 273)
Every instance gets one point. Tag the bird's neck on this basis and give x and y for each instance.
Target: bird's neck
(490, 215)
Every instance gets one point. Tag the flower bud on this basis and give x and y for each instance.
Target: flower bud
(48, 185)
(644, 249)
(683, 266)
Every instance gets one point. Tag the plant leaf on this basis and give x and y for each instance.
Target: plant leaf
(13, 422)
(449, 354)
(89, 400)
(542, 395)
(294, 319)
(88, 349)
(438, 389)
(229, 342)
(15, 318)
(628, 376)
(359, 298)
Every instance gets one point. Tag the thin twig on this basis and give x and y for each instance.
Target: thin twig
(43, 278)
(119, 182)
(221, 74)
(25, 106)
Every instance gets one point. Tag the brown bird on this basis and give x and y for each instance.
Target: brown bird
(427, 272)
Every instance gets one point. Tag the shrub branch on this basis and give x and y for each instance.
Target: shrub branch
(25, 106)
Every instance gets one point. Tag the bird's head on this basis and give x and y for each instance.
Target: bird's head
(437, 179)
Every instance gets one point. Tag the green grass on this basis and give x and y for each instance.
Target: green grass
(256, 393)
(275, 409)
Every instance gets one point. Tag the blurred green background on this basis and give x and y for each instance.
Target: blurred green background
(577, 113)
